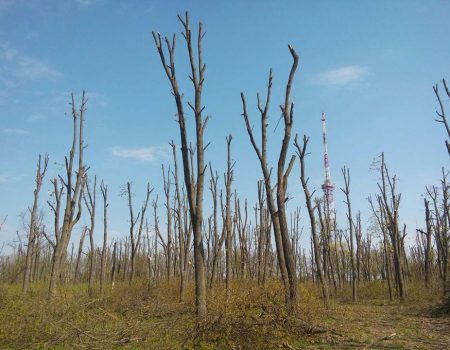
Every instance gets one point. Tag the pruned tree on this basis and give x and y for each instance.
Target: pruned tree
(428, 242)
(217, 240)
(441, 113)
(389, 203)
(228, 179)
(440, 224)
(277, 206)
(104, 190)
(33, 228)
(136, 233)
(301, 152)
(346, 191)
(184, 233)
(194, 179)
(72, 186)
(90, 200)
(169, 248)
(84, 232)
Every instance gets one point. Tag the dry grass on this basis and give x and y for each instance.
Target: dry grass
(139, 317)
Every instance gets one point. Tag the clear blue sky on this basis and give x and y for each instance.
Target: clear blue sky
(370, 65)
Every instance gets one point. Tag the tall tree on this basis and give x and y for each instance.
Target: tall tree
(194, 184)
(389, 201)
(33, 229)
(72, 186)
(301, 151)
(277, 206)
(90, 202)
(104, 190)
(168, 244)
(228, 178)
(346, 191)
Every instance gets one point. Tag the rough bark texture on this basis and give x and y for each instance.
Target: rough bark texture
(73, 189)
(194, 184)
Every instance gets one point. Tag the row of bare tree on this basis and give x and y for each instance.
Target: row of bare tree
(235, 241)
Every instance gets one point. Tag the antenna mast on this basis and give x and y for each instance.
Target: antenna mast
(328, 185)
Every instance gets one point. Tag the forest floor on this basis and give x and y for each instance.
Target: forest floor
(151, 317)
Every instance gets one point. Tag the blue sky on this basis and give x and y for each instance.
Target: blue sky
(370, 65)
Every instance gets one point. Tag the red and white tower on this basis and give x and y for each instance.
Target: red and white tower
(328, 185)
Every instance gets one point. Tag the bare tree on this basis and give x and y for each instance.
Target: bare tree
(33, 229)
(104, 190)
(168, 245)
(114, 265)
(228, 178)
(217, 240)
(379, 213)
(346, 191)
(73, 189)
(90, 202)
(428, 242)
(184, 236)
(301, 151)
(278, 210)
(389, 202)
(441, 114)
(84, 232)
(3, 222)
(135, 237)
(441, 227)
(194, 187)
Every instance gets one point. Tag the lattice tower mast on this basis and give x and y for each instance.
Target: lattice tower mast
(328, 185)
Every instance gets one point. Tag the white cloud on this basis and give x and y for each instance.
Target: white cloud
(36, 117)
(15, 131)
(3, 179)
(143, 154)
(15, 66)
(341, 76)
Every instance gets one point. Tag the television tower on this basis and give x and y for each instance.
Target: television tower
(328, 185)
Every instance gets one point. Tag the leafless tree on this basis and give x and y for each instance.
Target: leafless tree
(217, 240)
(194, 187)
(33, 229)
(428, 242)
(84, 232)
(73, 189)
(441, 226)
(228, 178)
(441, 113)
(104, 190)
(90, 202)
(184, 233)
(389, 203)
(114, 265)
(136, 234)
(168, 243)
(301, 152)
(278, 210)
(346, 191)
(3, 222)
